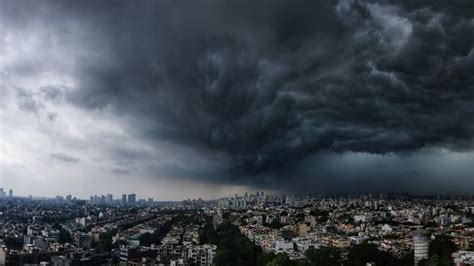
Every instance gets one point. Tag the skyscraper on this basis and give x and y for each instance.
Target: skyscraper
(421, 246)
(132, 198)
(124, 198)
(110, 198)
(10, 193)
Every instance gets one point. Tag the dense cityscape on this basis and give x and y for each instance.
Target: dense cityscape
(249, 229)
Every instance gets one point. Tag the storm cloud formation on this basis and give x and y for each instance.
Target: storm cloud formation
(269, 86)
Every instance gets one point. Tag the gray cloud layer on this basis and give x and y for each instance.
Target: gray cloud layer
(271, 84)
(64, 157)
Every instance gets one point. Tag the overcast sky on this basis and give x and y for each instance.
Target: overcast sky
(206, 98)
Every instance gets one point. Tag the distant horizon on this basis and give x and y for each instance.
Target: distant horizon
(375, 194)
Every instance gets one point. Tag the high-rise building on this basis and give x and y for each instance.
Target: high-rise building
(110, 198)
(290, 199)
(124, 198)
(68, 197)
(1, 192)
(132, 198)
(10, 193)
(421, 246)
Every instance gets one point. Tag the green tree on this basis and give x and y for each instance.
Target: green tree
(265, 258)
(406, 260)
(221, 257)
(148, 239)
(281, 259)
(233, 248)
(365, 252)
(105, 242)
(64, 236)
(104, 245)
(208, 234)
(324, 256)
(13, 243)
(423, 262)
(441, 249)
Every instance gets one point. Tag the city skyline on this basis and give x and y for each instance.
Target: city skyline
(111, 196)
(203, 99)
(115, 197)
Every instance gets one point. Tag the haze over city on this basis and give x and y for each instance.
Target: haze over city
(205, 99)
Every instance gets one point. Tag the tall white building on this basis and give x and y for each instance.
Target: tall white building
(421, 245)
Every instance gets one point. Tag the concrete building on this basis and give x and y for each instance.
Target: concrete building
(132, 198)
(124, 199)
(110, 198)
(201, 254)
(463, 257)
(421, 246)
(283, 246)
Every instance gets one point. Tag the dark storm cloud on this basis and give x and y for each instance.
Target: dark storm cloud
(64, 157)
(273, 82)
(427, 172)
